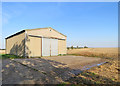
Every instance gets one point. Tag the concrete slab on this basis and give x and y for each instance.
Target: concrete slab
(75, 62)
(45, 70)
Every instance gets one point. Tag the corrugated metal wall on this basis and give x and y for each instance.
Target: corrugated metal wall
(62, 47)
(33, 47)
(16, 45)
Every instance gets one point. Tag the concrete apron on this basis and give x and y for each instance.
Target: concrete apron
(44, 67)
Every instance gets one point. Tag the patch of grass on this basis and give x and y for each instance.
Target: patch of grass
(93, 73)
(98, 82)
(33, 57)
(6, 56)
(62, 54)
(44, 73)
(62, 84)
(65, 84)
(73, 54)
(113, 79)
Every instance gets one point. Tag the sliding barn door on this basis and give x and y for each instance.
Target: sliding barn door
(54, 47)
(49, 47)
(45, 47)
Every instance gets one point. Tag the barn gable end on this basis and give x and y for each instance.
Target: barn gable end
(46, 32)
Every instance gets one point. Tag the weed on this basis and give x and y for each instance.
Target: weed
(113, 79)
(93, 73)
(62, 54)
(62, 84)
(98, 82)
(44, 73)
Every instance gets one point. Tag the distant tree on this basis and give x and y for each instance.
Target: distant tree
(77, 47)
(85, 47)
(68, 48)
(71, 47)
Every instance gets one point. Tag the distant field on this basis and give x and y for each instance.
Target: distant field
(2, 51)
(98, 52)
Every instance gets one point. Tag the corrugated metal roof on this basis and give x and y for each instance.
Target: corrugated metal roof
(33, 29)
(15, 34)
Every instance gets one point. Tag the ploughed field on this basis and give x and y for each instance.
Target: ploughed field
(108, 70)
(95, 52)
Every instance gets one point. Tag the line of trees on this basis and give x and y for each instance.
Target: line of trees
(77, 47)
(2, 49)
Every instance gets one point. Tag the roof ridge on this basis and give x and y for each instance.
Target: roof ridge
(47, 28)
(32, 29)
(38, 28)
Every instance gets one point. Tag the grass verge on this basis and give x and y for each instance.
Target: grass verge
(7, 56)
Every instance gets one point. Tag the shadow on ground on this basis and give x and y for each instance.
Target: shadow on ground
(41, 71)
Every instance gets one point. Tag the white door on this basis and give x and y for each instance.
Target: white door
(45, 47)
(49, 47)
(54, 47)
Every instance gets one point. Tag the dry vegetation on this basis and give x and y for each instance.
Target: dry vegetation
(95, 52)
(109, 70)
(2, 51)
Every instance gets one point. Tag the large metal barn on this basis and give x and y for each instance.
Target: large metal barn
(36, 43)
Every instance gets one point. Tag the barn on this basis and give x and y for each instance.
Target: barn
(36, 43)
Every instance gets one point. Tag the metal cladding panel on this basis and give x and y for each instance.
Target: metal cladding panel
(33, 47)
(54, 47)
(46, 32)
(62, 47)
(16, 45)
(49, 47)
(45, 47)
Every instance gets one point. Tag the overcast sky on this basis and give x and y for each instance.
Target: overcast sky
(93, 24)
